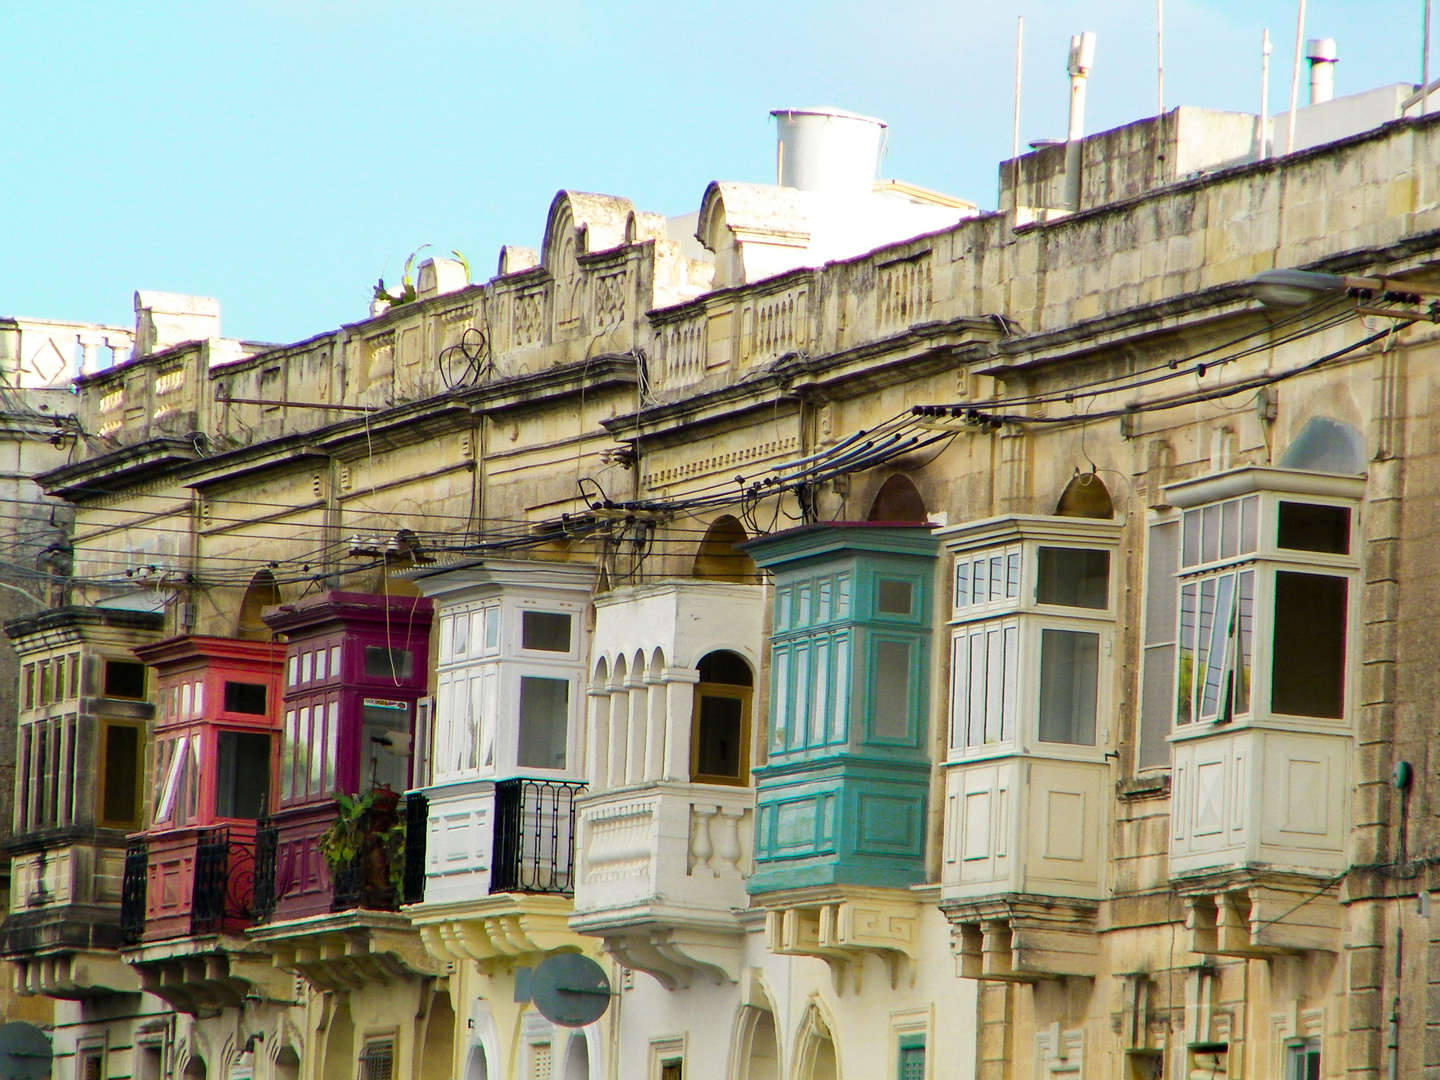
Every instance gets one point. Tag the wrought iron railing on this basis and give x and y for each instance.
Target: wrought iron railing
(262, 900)
(224, 888)
(534, 840)
(417, 822)
(132, 892)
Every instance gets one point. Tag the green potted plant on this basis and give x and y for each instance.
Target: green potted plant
(366, 843)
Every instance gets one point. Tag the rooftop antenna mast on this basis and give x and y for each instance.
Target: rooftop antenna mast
(1264, 94)
(1295, 76)
(1160, 56)
(1019, 57)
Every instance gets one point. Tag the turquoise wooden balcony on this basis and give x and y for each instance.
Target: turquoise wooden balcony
(841, 798)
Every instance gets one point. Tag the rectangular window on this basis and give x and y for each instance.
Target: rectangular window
(780, 706)
(120, 794)
(74, 675)
(544, 722)
(987, 577)
(335, 661)
(320, 664)
(459, 634)
(292, 673)
(29, 686)
(719, 731)
(332, 745)
(893, 597)
(985, 673)
(47, 682)
(60, 678)
(246, 698)
(1308, 677)
(377, 1060)
(287, 757)
(1069, 679)
(1311, 527)
(242, 774)
(1217, 616)
(382, 663)
(545, 631)
(1225, 530)
(303, 749)
(307, 667)
(912, 1059)
(1302, 1060)
(124, 679)
(385, 739)
(891, 703)
(1073, 577)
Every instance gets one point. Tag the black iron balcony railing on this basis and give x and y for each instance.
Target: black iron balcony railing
(262, 900)
(417, 822)
(534, 840)
(224, 882)
(132, 892)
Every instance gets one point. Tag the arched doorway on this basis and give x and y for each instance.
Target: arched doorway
(898, 500)
(720, 723)
(438, 1048)
(1085, 496)
(577, 1059)
(717, 559)
(339, 1061)
(476, 1066)
(262, 592)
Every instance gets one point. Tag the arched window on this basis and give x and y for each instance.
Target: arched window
(720, 727)
(1085, 496)
(1326, 445)
(262, 592)
(717, 559)
(898, 500)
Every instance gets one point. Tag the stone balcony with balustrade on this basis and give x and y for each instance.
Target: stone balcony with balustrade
(666, 838)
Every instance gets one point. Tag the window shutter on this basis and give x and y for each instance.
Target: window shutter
(1157, 685)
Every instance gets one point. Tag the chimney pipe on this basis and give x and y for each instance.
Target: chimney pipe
(1082, 59)
(1321, 54)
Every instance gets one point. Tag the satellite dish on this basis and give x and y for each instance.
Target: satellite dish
(25, 1052)
(570, 990)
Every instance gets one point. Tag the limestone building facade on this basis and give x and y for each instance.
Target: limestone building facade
(1000, 649)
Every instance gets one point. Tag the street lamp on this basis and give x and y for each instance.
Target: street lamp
(1296, 288)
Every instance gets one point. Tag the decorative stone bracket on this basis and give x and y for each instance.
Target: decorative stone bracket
(349, 951)
(74, 975)
(843, 930)
(1264, 919)
(1021, 940)
(204, 984)
(498, 932)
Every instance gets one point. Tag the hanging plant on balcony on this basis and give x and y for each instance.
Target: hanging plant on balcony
(364, 849)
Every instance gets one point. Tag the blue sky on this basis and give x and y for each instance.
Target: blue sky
(282, 154)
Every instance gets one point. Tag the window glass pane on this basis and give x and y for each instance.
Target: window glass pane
(894, 597)
(979, 656)
(1190, 554)
(60, 678)
(302, 753)
(1220, 649)
(782, 609)
(962, 583)
(1012, 575)
(492, 629)
(840, 722)
(1307, 527)
(242, 774)
(74, 675)
(185, 692)
(292, 673)
(1245, 625)
(719, 734)
(199, 697)
(124, 679)
(997, 577)
(1308, 677)
(824, 609)
(459, 634)
(545, 631)
(1229, 529)
(959, 688)
(780, 706)
(1185, 679)
(332, 745)
(385, 743)
(287, 757)
(248, 698)
(318, 743)
(334, 661)
(980, 581)
(843, 580)
(802, 605)
(800, 708)
(388, 663)
(820, 697)
(320, 665)
(544, 714)
(891, 706)
(1249, 524)
(1073, 577)
(122, 760)
(1069, 676)
(1210, 533)
(307, 667)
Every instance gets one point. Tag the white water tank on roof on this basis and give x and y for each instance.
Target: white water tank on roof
(827, 150)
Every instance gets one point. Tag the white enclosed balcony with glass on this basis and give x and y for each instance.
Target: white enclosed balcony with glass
(1253, 582)
(504, 766)
(666, 829)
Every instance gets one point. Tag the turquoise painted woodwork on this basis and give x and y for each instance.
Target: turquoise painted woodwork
(841, 799)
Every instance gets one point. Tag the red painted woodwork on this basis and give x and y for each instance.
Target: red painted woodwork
(216, 740)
